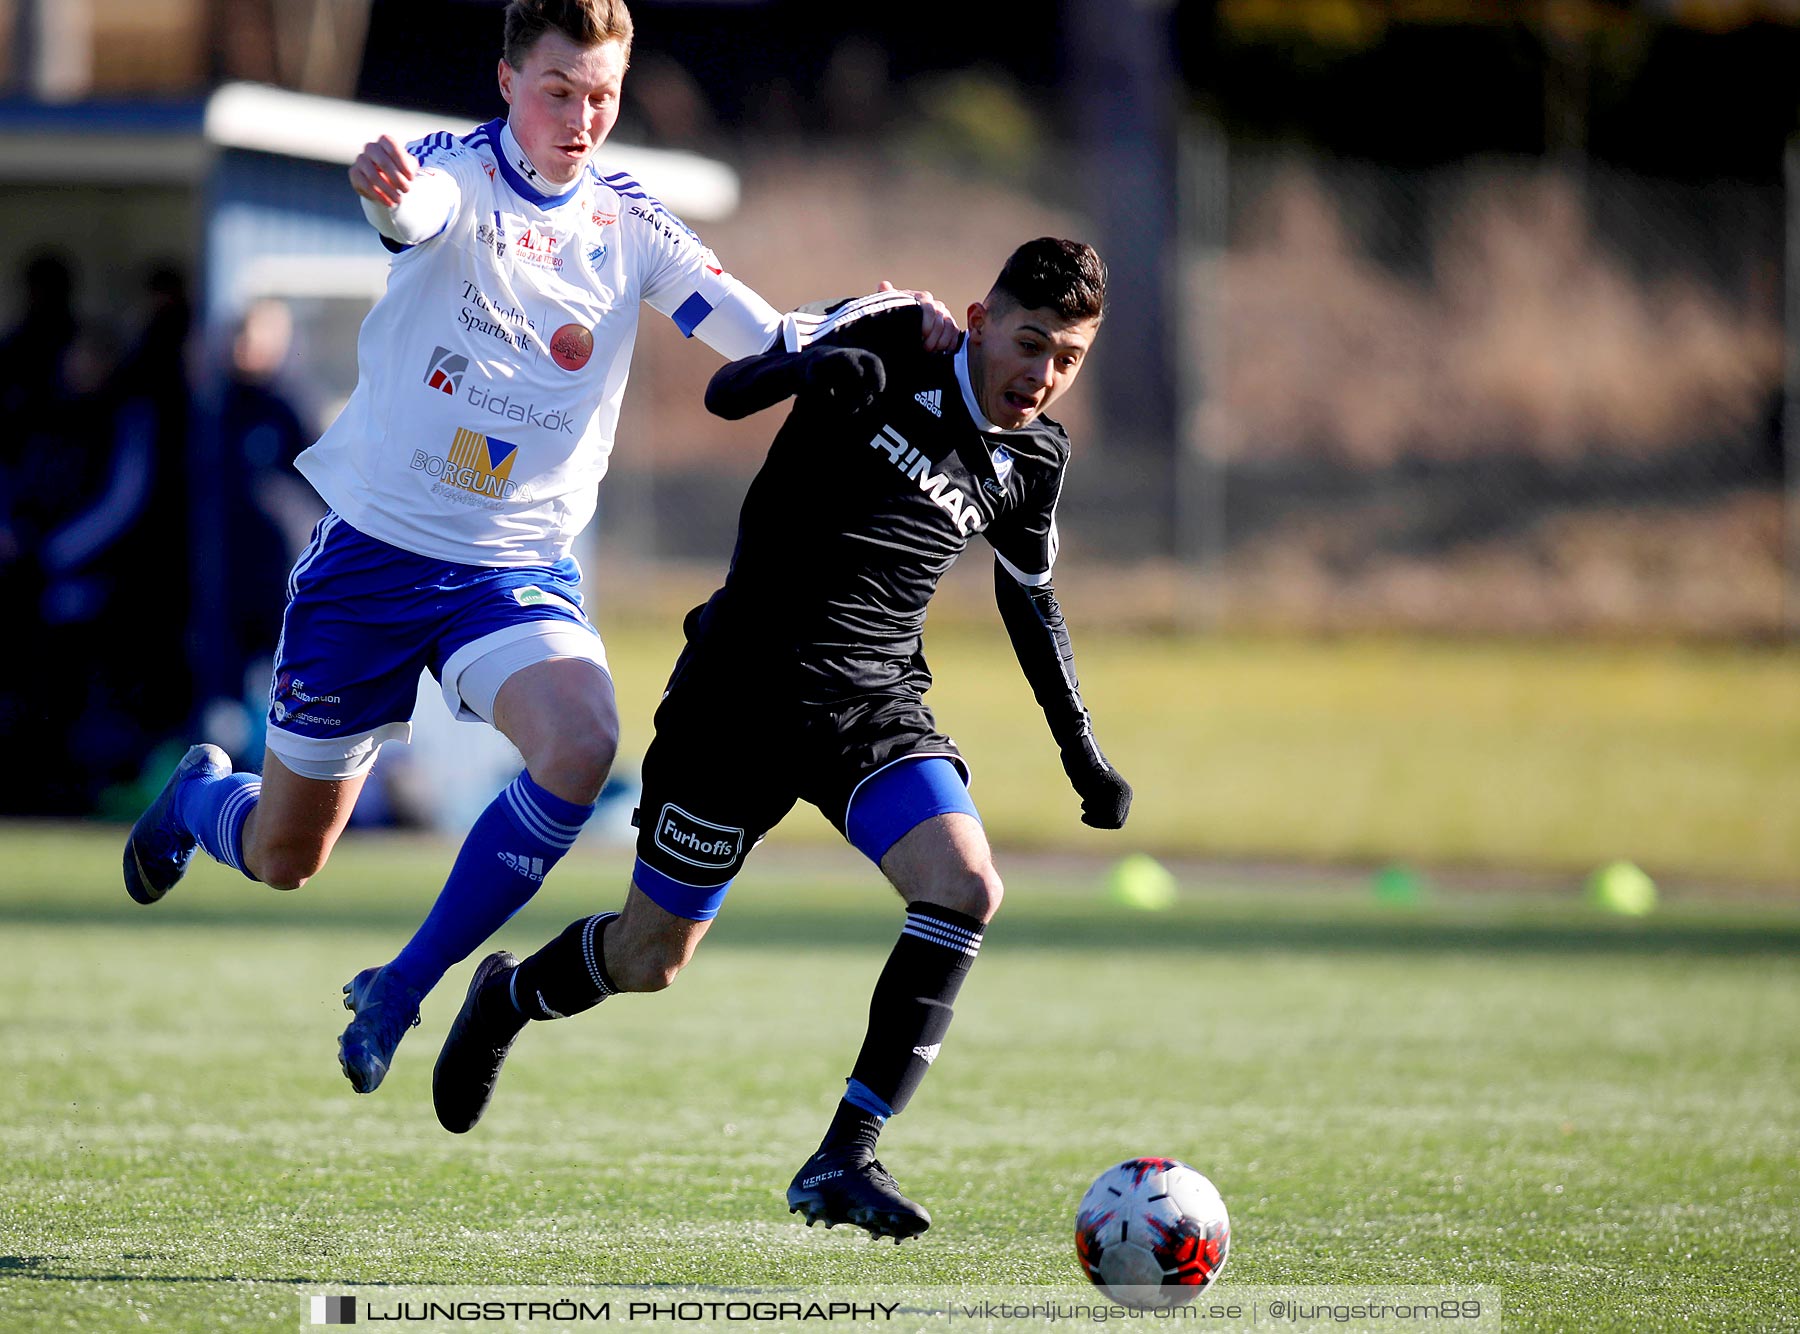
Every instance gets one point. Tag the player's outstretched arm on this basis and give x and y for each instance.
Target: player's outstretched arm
(849, 378)
(738, 323)
(927, 322)
(1040, 640)
(383, 172)
(404, 202)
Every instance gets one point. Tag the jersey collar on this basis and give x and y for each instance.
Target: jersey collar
(982, 424)
(524, 178)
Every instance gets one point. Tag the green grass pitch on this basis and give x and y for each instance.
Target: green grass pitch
(1556, 757)
(1600, 1117)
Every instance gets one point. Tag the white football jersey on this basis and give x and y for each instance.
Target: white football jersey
(491, 372)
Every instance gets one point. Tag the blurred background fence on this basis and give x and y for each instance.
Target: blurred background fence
(1503, 395)
(1449, 317)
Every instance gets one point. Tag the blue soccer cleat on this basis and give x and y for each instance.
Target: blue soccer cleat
(159, 849)
(386, 1005)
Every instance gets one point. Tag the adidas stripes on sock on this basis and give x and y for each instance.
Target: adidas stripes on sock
(512, 846)
(567, 976)
(214, 811)
(909, 1014)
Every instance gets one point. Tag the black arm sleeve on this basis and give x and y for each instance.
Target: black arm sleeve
(740, 388)
(844, 360)
(743, 388)
(1040, 641)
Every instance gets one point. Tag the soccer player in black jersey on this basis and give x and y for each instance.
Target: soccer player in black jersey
(803, 679)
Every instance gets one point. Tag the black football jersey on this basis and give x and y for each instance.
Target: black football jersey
(854, 517)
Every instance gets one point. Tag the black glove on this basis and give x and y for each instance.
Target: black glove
(1105, 796)
(848, 378)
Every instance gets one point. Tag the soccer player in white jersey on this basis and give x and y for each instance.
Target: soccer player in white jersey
(458, 477)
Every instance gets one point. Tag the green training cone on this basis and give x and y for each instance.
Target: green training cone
(1398, 884)
(1140, 881)
(1622, 887)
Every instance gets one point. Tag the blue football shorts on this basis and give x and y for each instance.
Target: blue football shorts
(364, 618)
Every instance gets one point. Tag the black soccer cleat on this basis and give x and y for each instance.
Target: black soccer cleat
(385, 1006)
(158, 851)
(468, 1067)
(850, 1186)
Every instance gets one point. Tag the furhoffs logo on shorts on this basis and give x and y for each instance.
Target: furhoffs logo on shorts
(695, 841)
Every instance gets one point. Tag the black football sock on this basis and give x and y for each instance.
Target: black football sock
(566, 977)
(909, 1014)
(853, 1126)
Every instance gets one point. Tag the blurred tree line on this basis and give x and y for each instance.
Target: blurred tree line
(1685, 88)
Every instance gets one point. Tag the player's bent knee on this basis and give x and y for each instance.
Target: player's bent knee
(284, 869)
(973, 890)
(988, 893)
(285, 865)
(575, 763)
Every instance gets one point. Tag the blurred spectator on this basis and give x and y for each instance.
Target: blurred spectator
(102, 479)
(33, 391)
(269, 508)
(31, 353)
(48, 375)
(671, 102)
(857, 89)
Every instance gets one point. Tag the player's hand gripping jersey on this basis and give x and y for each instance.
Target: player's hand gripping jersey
(881, 474)
(490, 374)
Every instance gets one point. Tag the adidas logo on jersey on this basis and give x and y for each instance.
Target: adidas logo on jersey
(532, 868)
(932, 400)
(928, 1054)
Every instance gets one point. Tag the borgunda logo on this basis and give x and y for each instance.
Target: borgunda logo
(479, 464)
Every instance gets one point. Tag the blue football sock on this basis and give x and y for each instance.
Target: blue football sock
(214, 811)
(514, 843)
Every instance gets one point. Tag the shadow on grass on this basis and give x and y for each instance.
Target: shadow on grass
(1327, 934)
(45, 1269)
(1333, 929)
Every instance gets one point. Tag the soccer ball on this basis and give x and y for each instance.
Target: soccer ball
(1152, 1233)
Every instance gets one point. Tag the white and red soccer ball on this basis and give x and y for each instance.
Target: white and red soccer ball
(1152, 1233)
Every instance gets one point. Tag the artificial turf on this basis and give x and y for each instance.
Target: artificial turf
(1597, 1117)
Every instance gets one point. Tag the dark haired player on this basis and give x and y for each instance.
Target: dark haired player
(803, 679)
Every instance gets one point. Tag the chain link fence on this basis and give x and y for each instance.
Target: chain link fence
(1505, 396)
(1500, 396)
